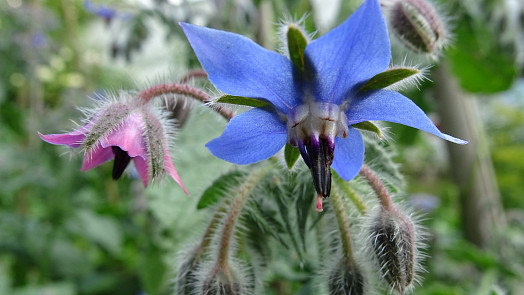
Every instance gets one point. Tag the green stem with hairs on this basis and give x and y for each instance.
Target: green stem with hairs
(343, 224)
(348, 191)
(237, 204)
(210, 230)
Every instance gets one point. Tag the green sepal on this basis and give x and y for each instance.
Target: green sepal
(291, 155)
(218, 189)
(296, 43)
(369, 126)
(240, 100)
(389, 77)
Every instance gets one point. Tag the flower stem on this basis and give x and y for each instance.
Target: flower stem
(191, 75)
(237, 204)
(183, 89)
(343, 225)
(208, 233)
(378, 187)
(348, 190)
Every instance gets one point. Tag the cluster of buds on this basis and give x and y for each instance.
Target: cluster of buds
(124, 128)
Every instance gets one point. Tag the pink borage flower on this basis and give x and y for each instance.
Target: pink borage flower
(123, 132)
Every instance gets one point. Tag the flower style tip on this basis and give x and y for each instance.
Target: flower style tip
(313, 104)
(124, 135)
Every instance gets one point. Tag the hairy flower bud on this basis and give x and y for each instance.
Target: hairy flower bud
(346, 279)
(392, 238)
(418, 25)
(185, 280)
(224, 281)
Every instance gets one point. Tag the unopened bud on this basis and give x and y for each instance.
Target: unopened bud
(185, 280)
(218, 287)
(225, 281)
(418, 25)
(346, 279)
(392, 238)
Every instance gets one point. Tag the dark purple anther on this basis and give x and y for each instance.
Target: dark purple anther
(320, 152)
(121, 161)
(303, 153)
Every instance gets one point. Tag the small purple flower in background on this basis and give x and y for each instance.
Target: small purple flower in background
(123, 132)
(311, 109)
(104, 12)
(38, 40)
(424, 202)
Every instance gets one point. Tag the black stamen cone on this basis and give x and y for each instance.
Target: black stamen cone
(121, 161)
(320, 154)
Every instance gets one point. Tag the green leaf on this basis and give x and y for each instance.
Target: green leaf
(59, 288)
(218, 189)
(296, 43)
(152, 270)
(383, 155)
(240, 100)
(99, 229)
(303, 205)
(389, 77)
(479, 60)
(266, 221)
(369, 126)
(291, 155)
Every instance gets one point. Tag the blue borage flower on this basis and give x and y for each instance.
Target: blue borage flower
(311, 109)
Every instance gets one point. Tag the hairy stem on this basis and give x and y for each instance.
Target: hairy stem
(348, 190)
(183, 89)
(210, 230)
(237, 204)
(378, 187)
(191, 75)
(343, 225)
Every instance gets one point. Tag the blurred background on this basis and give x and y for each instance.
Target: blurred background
(65, 232)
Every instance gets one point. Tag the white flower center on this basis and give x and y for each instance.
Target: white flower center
(317, 119)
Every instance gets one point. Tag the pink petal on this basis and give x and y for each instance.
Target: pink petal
(72, 139)
(170, 169)
(141, 167)
(97, 156)
(129, 137)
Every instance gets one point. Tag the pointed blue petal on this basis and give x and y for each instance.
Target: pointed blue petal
(250, 137)
(238, 66)
(349, 155)
(349, 55)
(386, 105)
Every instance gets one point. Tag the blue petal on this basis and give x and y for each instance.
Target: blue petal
(238, 66)
(349, 155)
(250, 137)
(386, 105)
(350, 54)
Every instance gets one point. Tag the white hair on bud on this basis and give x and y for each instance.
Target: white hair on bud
(283, 27)
(434, 20)
(369, 237)
(212, 279)
(121, 101)
(413, 80)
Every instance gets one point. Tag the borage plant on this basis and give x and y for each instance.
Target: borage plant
(317, 100)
